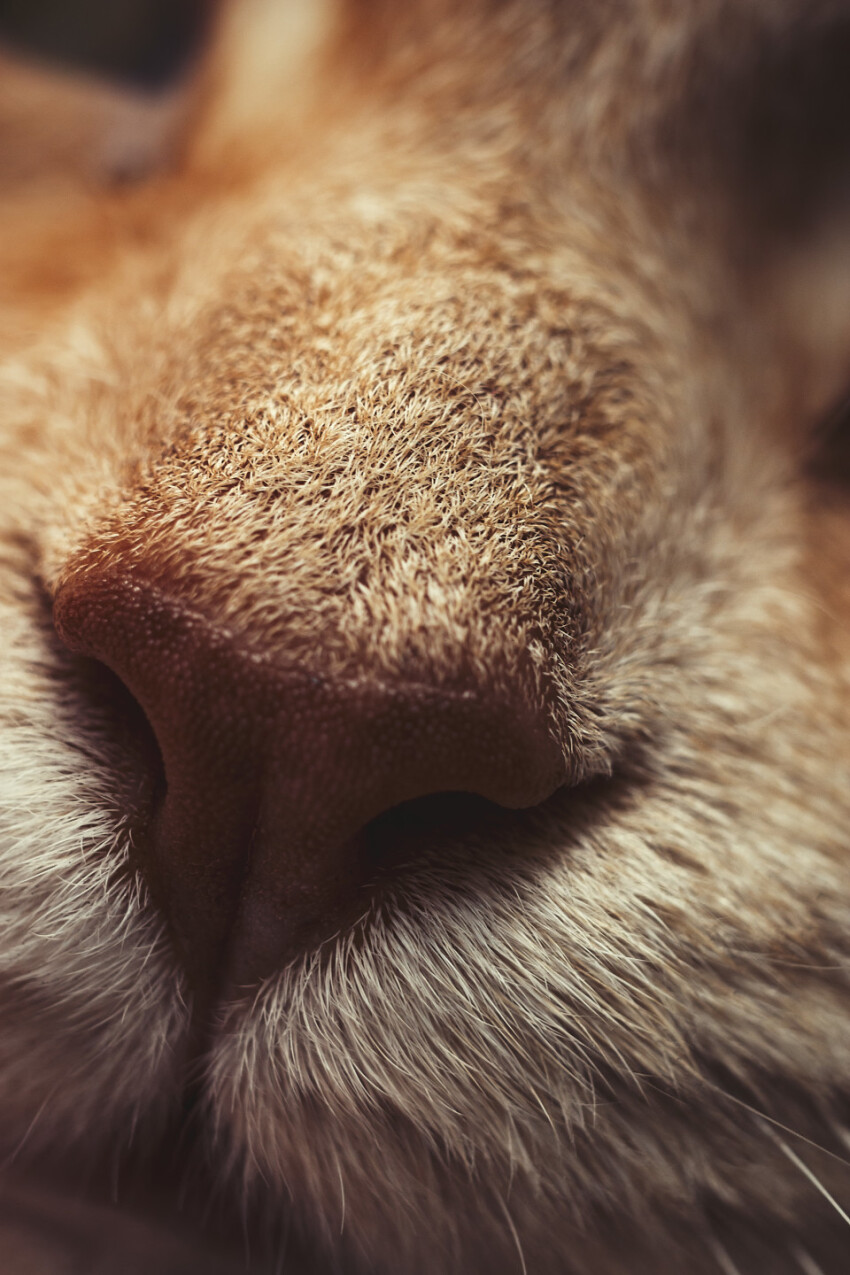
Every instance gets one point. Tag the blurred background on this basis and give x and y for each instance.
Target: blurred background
(143, 43)
(95, 92)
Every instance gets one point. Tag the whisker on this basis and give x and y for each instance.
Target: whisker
(514, 1233)
(724, 1261)
(806, 1262)
(844, 1134)
(812, 1177)
(15, 1152)
(794, 1133)
(341, 1198)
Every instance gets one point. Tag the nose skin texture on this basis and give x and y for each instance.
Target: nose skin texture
(270, 773)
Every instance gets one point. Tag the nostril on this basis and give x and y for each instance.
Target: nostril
(269, 774)
(412, 833)
(114, 714)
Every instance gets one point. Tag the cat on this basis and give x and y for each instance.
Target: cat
(425, 704)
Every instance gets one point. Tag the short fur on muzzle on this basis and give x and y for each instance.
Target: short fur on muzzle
(424, 700)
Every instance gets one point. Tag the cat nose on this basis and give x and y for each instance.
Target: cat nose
(254, 849)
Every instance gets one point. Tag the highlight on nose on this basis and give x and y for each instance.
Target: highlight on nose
(272, 771)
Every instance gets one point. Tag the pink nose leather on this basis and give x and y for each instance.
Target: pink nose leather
(271, 772)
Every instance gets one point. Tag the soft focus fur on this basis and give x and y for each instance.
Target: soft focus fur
(464, 336)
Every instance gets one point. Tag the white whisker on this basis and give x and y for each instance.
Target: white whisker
(806, 1262)
(794, 1133)
(341, 1198)
(515, 1235)
(724, 1261)
(815, 1181)
(13, 1155)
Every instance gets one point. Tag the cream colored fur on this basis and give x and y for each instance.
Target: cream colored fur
(442, 348)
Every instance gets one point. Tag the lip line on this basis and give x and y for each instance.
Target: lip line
(208, 1011)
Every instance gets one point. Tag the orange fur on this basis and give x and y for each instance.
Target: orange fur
(462, 343)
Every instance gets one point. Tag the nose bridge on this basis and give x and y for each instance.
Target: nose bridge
(376, 447)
